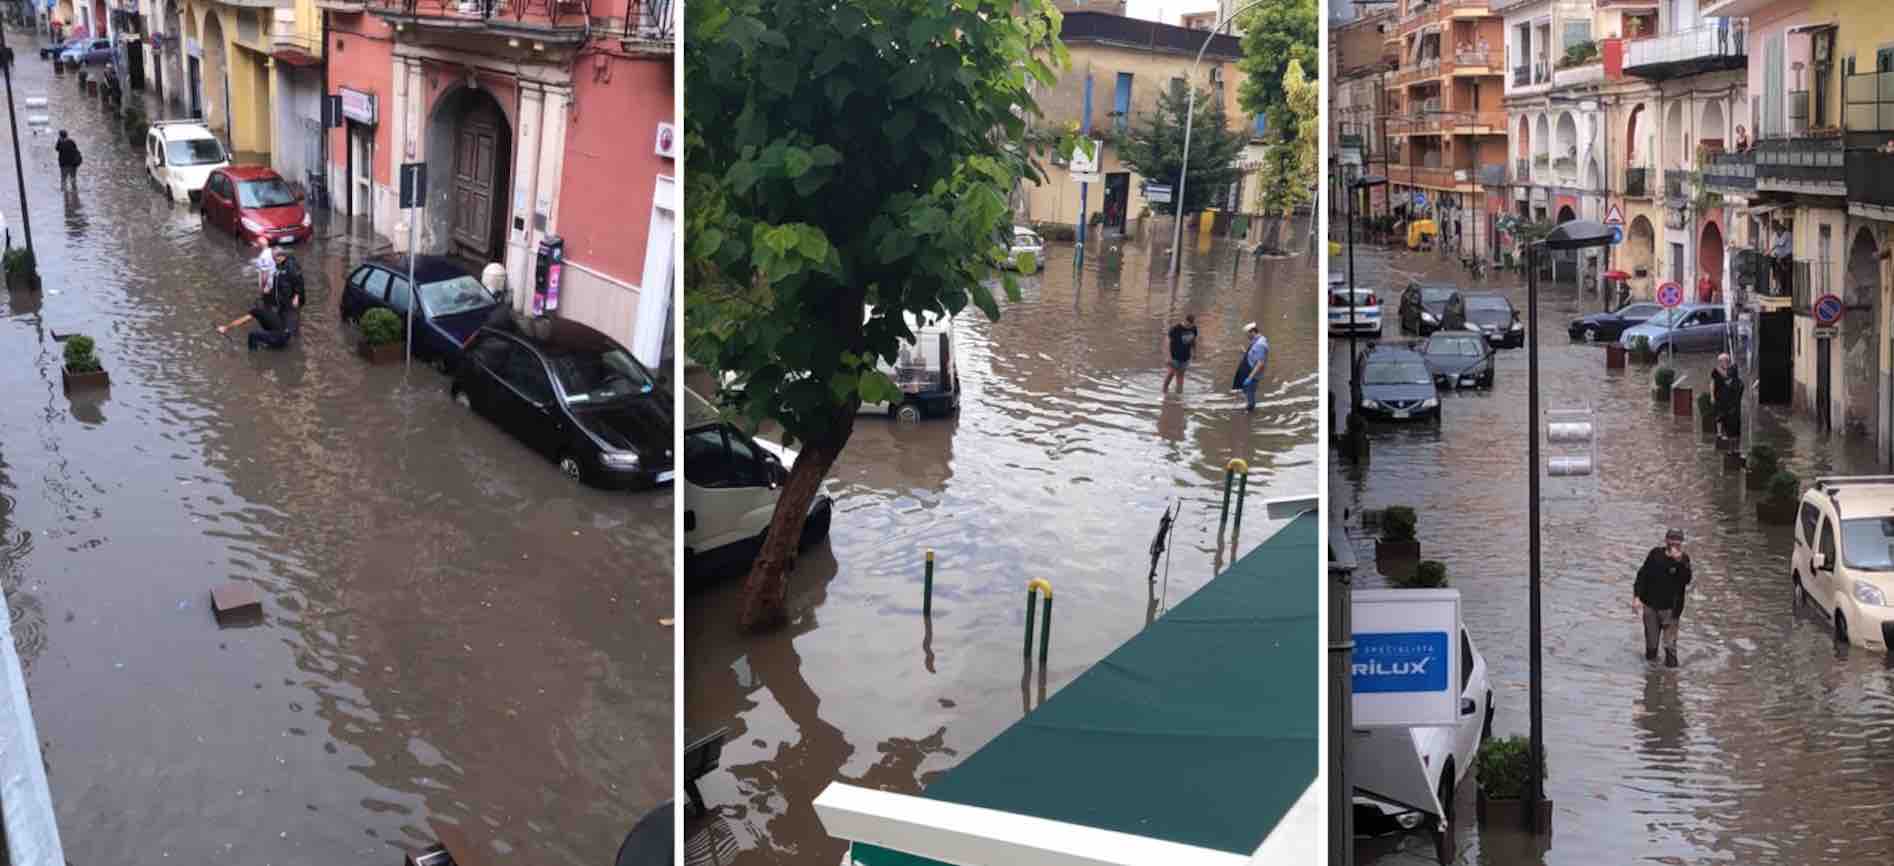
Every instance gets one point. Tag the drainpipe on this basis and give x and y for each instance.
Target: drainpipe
(322, 140)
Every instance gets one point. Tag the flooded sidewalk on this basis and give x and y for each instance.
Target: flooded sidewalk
(1059, 464)
(1763, 746)
(452, 631)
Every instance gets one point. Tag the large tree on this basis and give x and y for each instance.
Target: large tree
(842, 156)
(1274, 35)
(1155, 148)
(1288, 169)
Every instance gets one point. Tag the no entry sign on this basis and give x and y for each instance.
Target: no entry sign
(1828, 310)
(1670, 294)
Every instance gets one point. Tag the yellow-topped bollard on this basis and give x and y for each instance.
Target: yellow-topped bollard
(1041, 585)
(1233, 470)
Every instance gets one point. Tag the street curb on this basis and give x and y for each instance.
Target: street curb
(26, 801)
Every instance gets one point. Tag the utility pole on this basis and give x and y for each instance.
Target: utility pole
(19, 171)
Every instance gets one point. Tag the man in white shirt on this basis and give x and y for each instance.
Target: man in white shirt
(265, 263)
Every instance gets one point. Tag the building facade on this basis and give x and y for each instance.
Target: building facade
(1361, 60)
(1449, 141)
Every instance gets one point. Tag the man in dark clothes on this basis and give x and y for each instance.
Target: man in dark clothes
(286, 291)
(1726, 387)
(1183, 340)
(1662, 583)
(69, 159)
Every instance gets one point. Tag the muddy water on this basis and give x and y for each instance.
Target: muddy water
(1765, 746)
(1062, 458)
(453, 632)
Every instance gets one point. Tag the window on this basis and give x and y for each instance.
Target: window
(1466, 661)
(706, 461)
(194, 151)
(1884, 60)
(746, 466)
(265, 193)
(528, 376)
(1576, 33)
(608, 375)
(398, 296)
(359, 277)
(1810, 515)
(1828, 542)
(1677, 262)
(376, 286)
(460, 294)
(1121, 102)
(491, 353)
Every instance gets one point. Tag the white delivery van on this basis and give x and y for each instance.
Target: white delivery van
(926, 371)
(731, 483)
(1405, 776)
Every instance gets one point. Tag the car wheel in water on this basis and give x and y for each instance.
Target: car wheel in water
(571, 467)
(908, 413)
(1443, 838)
(465, 401)
(1591, 334)
(440, 365)
(1841, 627)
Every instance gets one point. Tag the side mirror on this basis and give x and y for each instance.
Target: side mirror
(1467, 706)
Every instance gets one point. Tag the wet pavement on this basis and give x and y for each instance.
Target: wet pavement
(1765, 746)
(1061, 460)
(452, 631)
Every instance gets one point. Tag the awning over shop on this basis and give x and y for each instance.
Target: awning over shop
(295, 57)
(1195, 742)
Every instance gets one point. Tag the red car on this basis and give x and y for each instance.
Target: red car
(251, 201)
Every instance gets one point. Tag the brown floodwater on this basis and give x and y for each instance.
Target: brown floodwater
(1059, 464)
(452, 631)
(1765, 745)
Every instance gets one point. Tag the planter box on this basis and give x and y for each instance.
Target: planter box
(1513, 812)
(386, 353)
(1659, 395)
(23, 281)
(1614, 356)
(1643, 357)
(83, 381)
(1396, 551)
(1754, 480)
(1776, 513)
(1707, 422)
(1682, 402)
(1733, 461)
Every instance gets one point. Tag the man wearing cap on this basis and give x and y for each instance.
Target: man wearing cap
(1255, 358)
(1659, 593)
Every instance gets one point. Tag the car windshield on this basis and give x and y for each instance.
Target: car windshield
(461, 294)
(1667, 318)
(1867, 543)
(1435, 296)
(1455, 346)
(1488, 305)
(194, 151)
(272, 192)
(609, 375)
(1396, 373)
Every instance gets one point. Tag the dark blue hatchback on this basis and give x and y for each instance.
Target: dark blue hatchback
(454, 304)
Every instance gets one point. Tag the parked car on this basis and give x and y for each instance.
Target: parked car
(1493, 316)
(88, 52)
(1459, 359)
(573, 395)
(1685, 328)
(1403, 776)
(1594, 327)
(1397, 386)
(57, 50)
(180, 155)
(1025, 240)
(1362, 316)
(1422, 306)
(1844, 556)
(926, 370)
(251, 202)
(454, 304)
(731, 483)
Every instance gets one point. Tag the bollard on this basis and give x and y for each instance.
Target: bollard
(1230, 471)
(1242, 490)
(1038, 584)
(927, 586)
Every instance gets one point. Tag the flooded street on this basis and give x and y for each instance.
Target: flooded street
(453, 632)
(1767, 744)
(1060, 463)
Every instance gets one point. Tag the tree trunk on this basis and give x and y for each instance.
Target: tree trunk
(767, 587)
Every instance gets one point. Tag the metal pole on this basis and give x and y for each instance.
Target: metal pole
(1190, 114)
(1354, 386)
(413, 294)
(1537, 756)
(927, 587)
(19, 172)
(1085, 188)
(1341, 647)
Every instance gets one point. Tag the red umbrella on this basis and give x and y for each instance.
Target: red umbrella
(1617, 275)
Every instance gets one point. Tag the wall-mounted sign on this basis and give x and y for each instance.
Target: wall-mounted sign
(192, 48)
(1405, 670)
(667, 141)
(357, 106)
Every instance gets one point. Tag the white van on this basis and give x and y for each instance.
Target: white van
(180, 155)
(926, 371)
(731, 483)
(1403, 776)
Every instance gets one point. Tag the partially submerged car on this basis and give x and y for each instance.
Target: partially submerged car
(1607, 327)
(731, 483)
(1397, 386)
(1422, 306)
(1493, 316)
(1459, 359)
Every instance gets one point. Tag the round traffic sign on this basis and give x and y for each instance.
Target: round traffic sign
(1828, 310)
(1670, 294)
(1617, 234)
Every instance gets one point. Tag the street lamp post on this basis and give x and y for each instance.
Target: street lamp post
(19, 171)
(1574, 235)
(1190, 120)
(1354, 429)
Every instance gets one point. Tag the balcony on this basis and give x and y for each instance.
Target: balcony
(1477, 62)
(1565, 169)
(1811, 166)
(1522, 171)
(563, 22)
(1675, 187)
(1711, 48)
(1870, 176)
(1733, 173)
(1634, 180)
(1868, 102)
(1590, 73)
(1434, 177)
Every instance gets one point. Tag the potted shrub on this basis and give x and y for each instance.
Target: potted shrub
(1503, 769)
(1429, 574)
(1762, 465)
(82, 368)
(1397, 542)
(22, 270)
(1661, 382)
(1706, 413)
(136, 124)
(1641, 350)
(1779, 503)
(382, 339)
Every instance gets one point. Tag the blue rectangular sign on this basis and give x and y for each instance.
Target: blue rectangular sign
(1411, 661)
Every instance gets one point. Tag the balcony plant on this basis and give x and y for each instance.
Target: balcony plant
(82, 369)
(1762, 465)
(1503, 769)
(1579, 54)
(1779, 502)
(1397, 542)
(136, 124)
(382, 339)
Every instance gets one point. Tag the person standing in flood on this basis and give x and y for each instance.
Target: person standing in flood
(286, 290)
(1249, 372)
(69, 160)
(1658, 595)
(1726, 397)
(1183, 341)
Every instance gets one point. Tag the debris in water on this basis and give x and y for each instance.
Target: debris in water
(235, 603)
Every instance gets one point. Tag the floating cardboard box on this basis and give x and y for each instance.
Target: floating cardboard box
(235, 602)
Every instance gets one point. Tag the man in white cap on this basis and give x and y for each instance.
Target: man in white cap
(1255, 359)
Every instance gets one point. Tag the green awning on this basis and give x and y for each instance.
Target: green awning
(1202, 730)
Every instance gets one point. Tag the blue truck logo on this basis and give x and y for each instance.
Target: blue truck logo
(1414, 661)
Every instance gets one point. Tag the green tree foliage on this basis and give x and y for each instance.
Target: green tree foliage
(1288, 171)
(1155, 148)
(1275, 34)
(842, 156)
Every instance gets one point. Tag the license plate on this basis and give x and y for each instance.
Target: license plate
(1400, 413)
(1467, 380)
(666, 476)
(285, 240)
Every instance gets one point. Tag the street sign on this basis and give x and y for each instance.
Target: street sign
(1614, 216)
(1670, 294)
(1420, 199)
(413, 184)
(1405, 671)
(1082, 164)
(331, 111)
(1157, 193)
(1825, 333)
(1087, 177)
(1617, 235)
(1828, 310)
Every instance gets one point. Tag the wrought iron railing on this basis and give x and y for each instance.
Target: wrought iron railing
(1799, 162)
(1522, 170)
(1870, 175)
(554, 13)
(1674, 183)
(1522, 76)
(1730, 172)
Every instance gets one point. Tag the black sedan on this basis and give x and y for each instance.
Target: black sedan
(1423, 306)
(453, 303)
(1606, 327)
(575, 396)
(1397, 386)
(1459, 359)
(1495, 317)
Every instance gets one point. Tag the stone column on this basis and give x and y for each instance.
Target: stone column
(521, 232)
